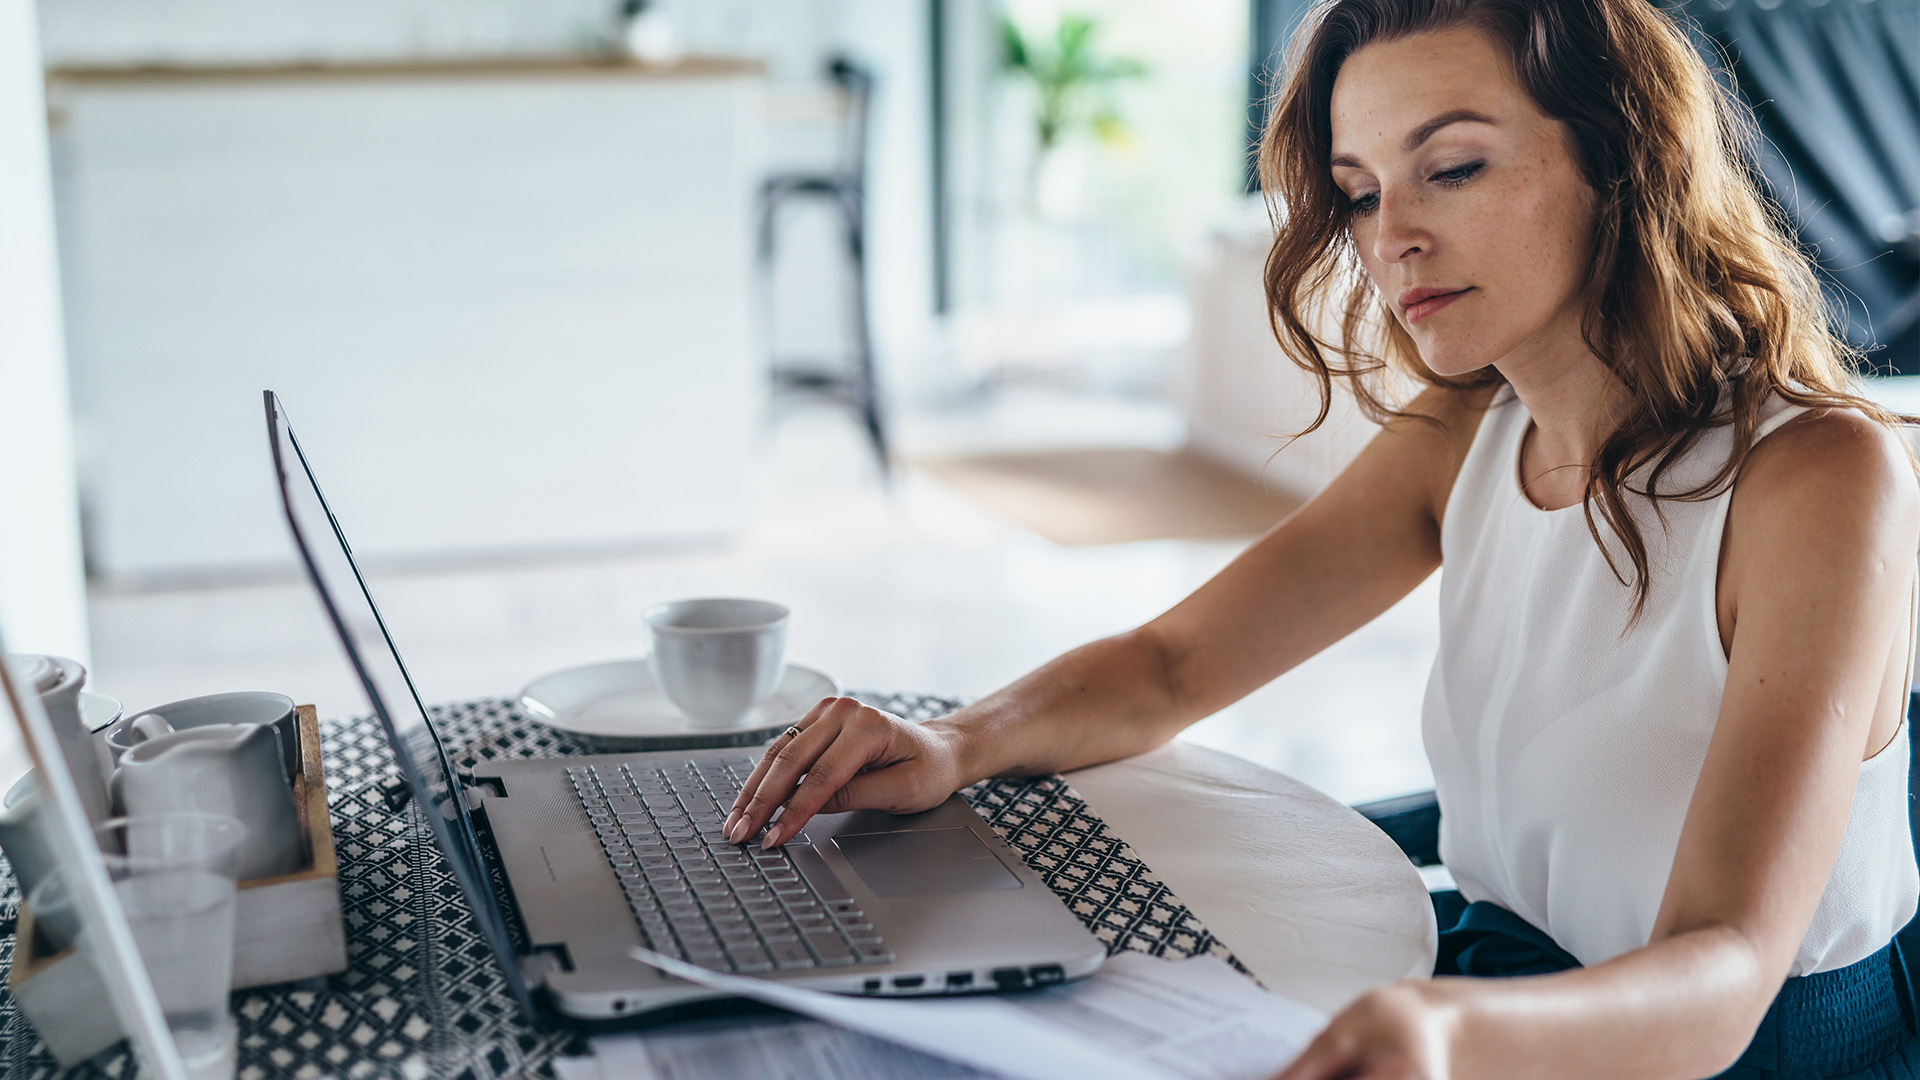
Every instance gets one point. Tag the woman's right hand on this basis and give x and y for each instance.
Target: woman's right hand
(848, 756)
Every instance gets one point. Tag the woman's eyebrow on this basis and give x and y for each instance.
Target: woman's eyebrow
(1427, 129)
(1422, 133)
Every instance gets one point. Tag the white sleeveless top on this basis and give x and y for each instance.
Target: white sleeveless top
(1564, 754)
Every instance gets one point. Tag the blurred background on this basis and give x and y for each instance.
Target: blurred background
(937, 320)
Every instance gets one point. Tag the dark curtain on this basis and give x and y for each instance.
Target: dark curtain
(1835, 87)
(1269, 24)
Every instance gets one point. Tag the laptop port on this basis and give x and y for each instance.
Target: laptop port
(1009, 979)
(1047, 974)
(959, 980)
(908, 982)
(871, 986)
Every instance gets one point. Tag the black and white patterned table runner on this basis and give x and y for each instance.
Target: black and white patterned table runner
(422, 996)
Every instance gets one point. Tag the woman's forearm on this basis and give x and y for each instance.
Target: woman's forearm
(1109, 699)
(1685, 1006)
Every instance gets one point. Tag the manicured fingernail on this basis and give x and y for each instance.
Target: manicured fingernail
(768, 844)
(736, 832)
(732, 817)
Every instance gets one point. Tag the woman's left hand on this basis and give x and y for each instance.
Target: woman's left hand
(1399, 1032)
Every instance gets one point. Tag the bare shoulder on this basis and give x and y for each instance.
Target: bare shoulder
(1831, 459)
(1437, 431)
(1830, 481)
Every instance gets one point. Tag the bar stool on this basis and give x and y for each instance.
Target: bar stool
(843, 192)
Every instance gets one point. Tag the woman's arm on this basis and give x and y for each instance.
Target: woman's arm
(1818, 563)
(1342, 559)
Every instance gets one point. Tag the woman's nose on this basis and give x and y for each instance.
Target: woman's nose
(1398, 233)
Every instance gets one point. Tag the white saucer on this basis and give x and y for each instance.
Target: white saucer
(618, 706)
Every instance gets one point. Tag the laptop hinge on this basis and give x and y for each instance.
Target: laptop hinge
(480, 788)
(545, 960)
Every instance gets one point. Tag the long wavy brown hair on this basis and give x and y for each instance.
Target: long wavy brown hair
(1704, 307)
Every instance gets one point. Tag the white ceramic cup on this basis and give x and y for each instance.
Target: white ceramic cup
(717, 659)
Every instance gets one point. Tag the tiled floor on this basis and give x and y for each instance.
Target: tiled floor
(918, 587)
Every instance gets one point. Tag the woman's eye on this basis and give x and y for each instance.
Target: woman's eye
(1363, 205)
(1459, 174)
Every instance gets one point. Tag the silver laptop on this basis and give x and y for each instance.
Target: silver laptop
(607, 852)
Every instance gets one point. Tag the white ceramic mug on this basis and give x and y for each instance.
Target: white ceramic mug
(23, 834)
(238, 707)
(717, 659)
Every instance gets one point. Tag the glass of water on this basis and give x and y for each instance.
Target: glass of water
(174, 876)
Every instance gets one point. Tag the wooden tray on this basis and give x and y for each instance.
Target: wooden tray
(284, 928)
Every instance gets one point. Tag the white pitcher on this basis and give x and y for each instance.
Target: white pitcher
(57, 682)
(231, 769)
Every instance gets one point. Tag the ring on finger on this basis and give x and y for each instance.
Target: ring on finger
(791, 733)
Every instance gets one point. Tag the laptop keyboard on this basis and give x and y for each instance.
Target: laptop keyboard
(728, 907)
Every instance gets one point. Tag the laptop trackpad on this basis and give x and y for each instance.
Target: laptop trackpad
(924, 862)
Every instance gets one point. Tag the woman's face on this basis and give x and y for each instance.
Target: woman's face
(1469, 211)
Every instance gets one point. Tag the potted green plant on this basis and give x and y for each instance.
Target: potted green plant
(1072, 85)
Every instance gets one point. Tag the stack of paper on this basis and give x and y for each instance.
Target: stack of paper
(1139, 1018)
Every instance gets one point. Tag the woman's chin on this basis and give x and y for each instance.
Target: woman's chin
(1453, 363)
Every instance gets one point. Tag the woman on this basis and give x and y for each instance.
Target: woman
(1666, 717)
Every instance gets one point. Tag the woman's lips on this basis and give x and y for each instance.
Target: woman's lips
(1432, 304)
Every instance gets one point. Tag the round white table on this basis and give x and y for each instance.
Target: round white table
(1318, 903)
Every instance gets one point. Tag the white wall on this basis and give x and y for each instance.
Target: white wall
(1241, 394)
(506, 312)
(42, 592)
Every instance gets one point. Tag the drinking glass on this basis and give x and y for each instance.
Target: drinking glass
(173, 874)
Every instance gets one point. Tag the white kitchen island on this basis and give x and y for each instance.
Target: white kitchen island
(507, 304)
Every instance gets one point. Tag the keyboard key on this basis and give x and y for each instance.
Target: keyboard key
(875, 953)
(752, 961)
(832, 951)
(711, 959)
(790, 955)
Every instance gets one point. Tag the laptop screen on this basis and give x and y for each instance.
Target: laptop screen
(370, 649)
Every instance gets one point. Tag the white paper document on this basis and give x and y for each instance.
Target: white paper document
(1139, 1018)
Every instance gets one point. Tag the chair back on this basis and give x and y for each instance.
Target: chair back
(855, 82)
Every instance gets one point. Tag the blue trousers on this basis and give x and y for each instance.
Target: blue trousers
(1853, 1023)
